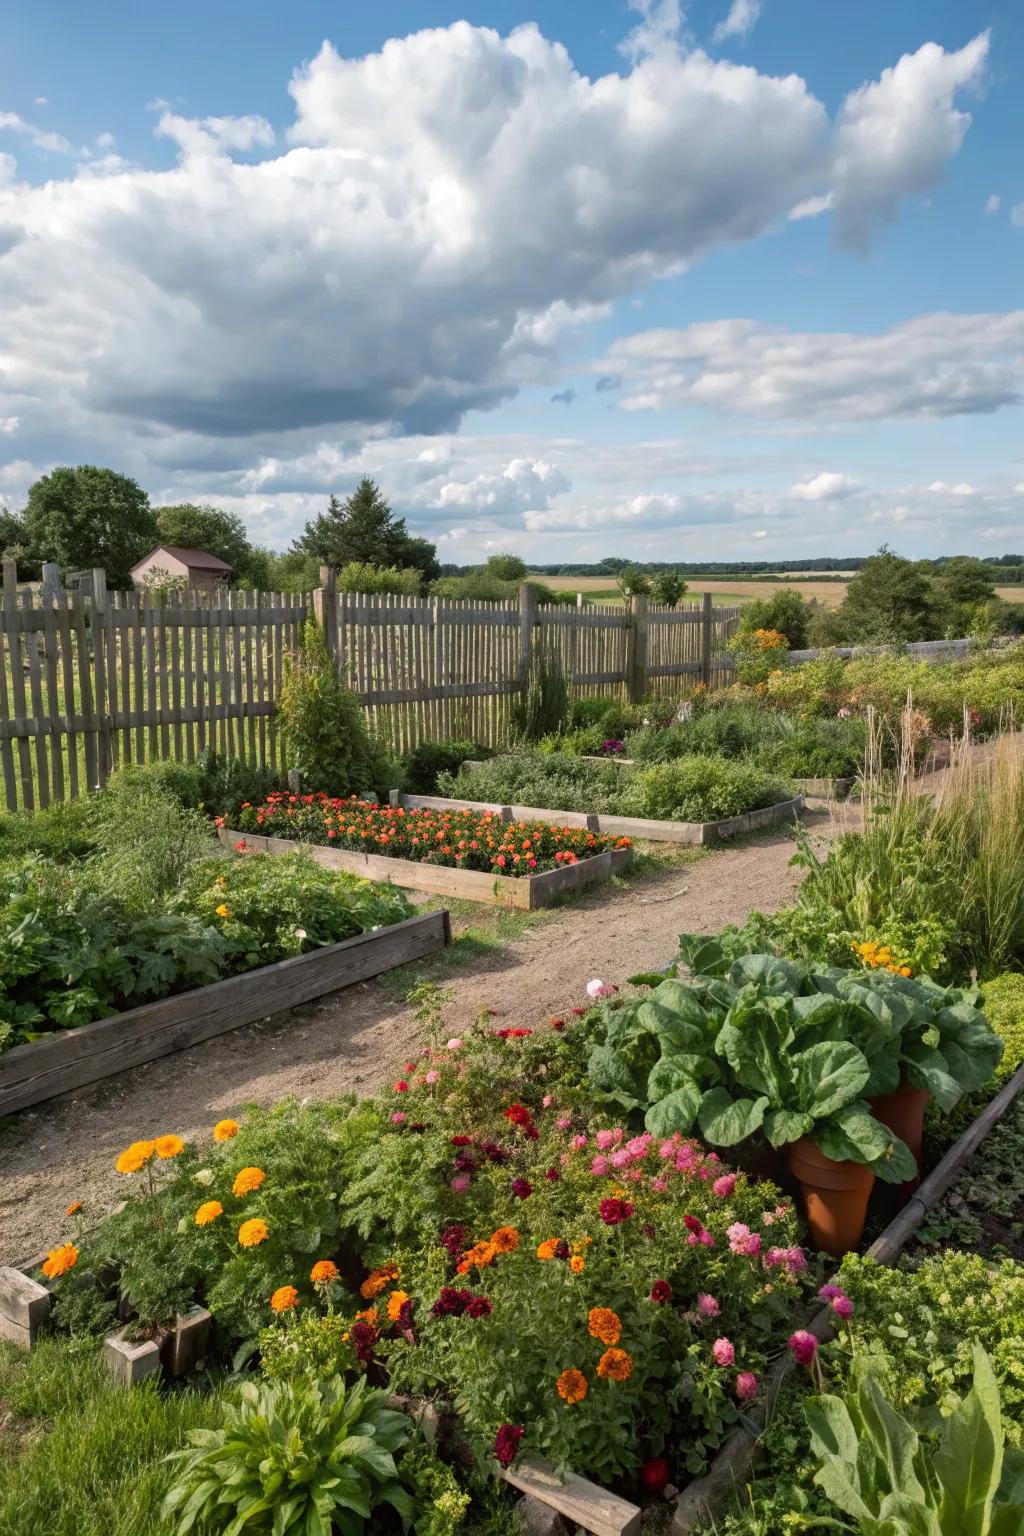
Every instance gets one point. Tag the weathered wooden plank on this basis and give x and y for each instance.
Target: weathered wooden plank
(29, 1074)
(595, 1509)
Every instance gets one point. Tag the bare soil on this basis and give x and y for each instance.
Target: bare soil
(350, 1041)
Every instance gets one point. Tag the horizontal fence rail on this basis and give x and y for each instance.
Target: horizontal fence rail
(91, 680)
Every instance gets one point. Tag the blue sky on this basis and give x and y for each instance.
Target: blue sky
(734, 278)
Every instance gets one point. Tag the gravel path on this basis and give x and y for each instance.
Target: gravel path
(65, 1150)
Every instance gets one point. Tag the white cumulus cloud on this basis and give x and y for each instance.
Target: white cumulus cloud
(740, 21)
(828, 486)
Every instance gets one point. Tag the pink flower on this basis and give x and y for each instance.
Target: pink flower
(640, 1145)
(659, 1184)
(723, 1351)
(792, 1260)
(432, 1077)
(707, 1306)
(547, 1101)
(455, 1044)
(742, 1240)
(578, 1143)
(667, 1150)
(842, 1306)
(634, 1175)
(398, 1117)
(830, 1292)
(803, 1345)
(724, 1186)
(746, 1386)
(599, 1166)
(605, 1140)
(461, 1183)
(597, 989)
(563, 1122)
(621, 1158)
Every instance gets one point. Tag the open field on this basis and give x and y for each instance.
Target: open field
(726, 590)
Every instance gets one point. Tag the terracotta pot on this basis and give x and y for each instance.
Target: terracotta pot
(903, 1113)
(835, 1196)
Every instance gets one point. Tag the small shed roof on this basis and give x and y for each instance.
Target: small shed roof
(195, 559)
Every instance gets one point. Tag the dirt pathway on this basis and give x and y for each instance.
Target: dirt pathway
(64, 1151)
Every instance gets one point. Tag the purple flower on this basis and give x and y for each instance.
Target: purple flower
(522, 1189)
(461, 1183)
(478, 1306)
(842, 1306)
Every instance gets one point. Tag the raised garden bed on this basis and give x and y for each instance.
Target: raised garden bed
(526, 892)
(32, 1073)
(691, 833)
(824, 789)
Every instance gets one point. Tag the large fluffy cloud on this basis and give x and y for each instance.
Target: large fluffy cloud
(933, 366)
(447, 207)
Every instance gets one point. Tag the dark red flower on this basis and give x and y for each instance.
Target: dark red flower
(454, 1239)
(518, 1114)
(693, 1224)
(522, 1189)
(558, 1024)
(614, 1210)
(552, 1175)
(478, 1306)
(363, 1336)
(506, 1443)
(462, 1141)
(451, 1303)
(401, 1086)
(562, 1251)
(661, 1292)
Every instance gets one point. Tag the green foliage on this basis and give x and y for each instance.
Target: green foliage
(146, 841)
(1003, 999)
(984, 1207)
(213, 782)
(87, 517)
(62, 832)
(81, 1456)
(362, 576)
(543, 706)
(422, 765)
(365, 529)
(785, 611)
(298, 1458)
(874, 1469)
(506, 568)
(701, 789)
(633, 582)
(668, 587)
(889, 600)
(191, 526)
(323, 726)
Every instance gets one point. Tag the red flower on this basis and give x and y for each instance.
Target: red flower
(506, 1443)
(462, 1141)
(613, 1211)
(479, 1306)
(661, 1292)
(522, 1189)
(401, 1086)
(518, 1114)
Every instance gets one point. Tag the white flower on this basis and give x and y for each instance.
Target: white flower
(596, 989)
(204, 1176)
(300, 933)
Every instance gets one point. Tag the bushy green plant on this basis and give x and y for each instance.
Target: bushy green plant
(1003, 1000)
(360, 576)
(874, 1468)
(293, 1459)
(323, 727)
(147, 842)
(700, 789)
(63, 831)
(422, 765)
(213, 782)
(543, 705)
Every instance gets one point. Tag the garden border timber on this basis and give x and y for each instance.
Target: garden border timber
(525, 892)
(32, 1073)
(702, 1500)
(691, 833)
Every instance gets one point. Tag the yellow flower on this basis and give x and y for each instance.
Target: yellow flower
(284, 1298)
(252, 1232)
(396, 1301)
(615, 1365)
(225, 1129)
(323, 1272)
(577, 1265)
(59, 1260)
(223, 910)
(247, 1180)
(571, 1386)
(207, 1212)
(135, 1157)
(603, 1324)
(168, 1146)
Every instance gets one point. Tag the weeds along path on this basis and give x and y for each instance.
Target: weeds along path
(523, 967)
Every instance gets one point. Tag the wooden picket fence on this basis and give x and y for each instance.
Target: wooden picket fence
(90, 680)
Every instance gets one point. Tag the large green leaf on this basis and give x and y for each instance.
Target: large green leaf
(612, 1076)
(781, 1126)
(674, 1112)
(701, 955)
(892, 1441)
(831, 1428)
(673, 1072)
(969, 1461)
(926, 1068)
(769, 972)
(724, 1121)
(852, 1134)
(755, 1040)
(828, 1076)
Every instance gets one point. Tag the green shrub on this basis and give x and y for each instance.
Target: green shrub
(146, 841)
(323, 727)
(1003, 998)
(543, 706)
(422, 765)
(700, 789)
(213, 782)
(359, 576)
(63, 831)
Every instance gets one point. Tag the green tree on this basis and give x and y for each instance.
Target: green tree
(192, 526)
(87, 516)
(294, 571)
(364, 528)
(785, 610)
(668, 588)
(963, 587)
(888, 601)
(358, 576)
(14, 544)
(633, 582)
(506, 568)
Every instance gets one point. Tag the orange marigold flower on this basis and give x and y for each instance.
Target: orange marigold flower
(369, 1315)
(135, 1157)
(603, 1324)
(252, 1232)
(225, 1129)
(378, 1280)
(481, 1254)
(505, 1240)
(247, 1180)
(207, 1212)
(396, 1301)
(74, 1208)
(547, 1248)
(615, 1365)
(284, 1298)
(168, 1146)
(577, 1265)
(59, 1260)
(323, 1272)
(571, 1386)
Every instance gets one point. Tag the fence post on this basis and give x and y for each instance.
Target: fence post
(636, 678)
(52, 585)
(325, 608)
(527, 619)
(706, 632)
(10, 585)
